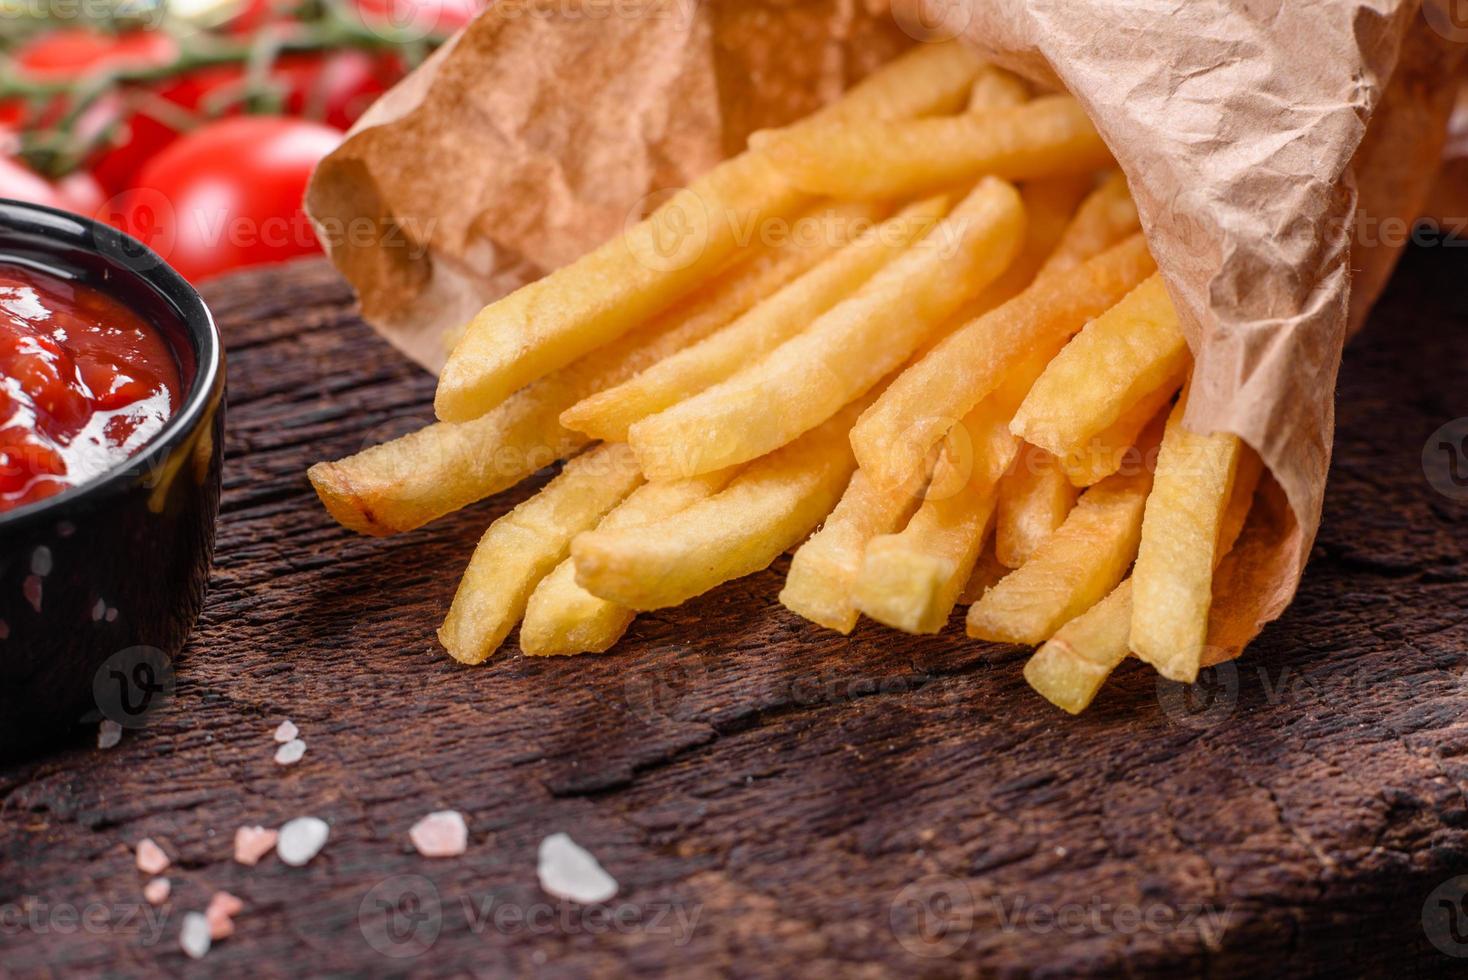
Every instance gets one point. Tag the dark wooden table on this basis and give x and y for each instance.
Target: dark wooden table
(771, 798)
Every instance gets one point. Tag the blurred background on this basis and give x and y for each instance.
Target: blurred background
(194, 124)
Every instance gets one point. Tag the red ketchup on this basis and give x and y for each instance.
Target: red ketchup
(84, 383)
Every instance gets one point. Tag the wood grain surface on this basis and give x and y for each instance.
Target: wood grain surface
(772, 798)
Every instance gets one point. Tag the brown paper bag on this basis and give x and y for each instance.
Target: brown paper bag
(1254, 136)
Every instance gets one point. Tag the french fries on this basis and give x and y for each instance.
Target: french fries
(1073, 569)
(911, 580)
(608, 414)
(1130, 350)
(562, 618)
(915, 412)
(1069, 669)
(770, 507)
(823, 572)
(1034, 498)
(1049, 137)
(810, 377)
(1172, 585)
(403, 484)
(523, 547)
(553, 321)
(940, 389)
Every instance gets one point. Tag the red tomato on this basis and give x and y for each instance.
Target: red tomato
(77, 192)
(338, 88)
(65, 54)
(228, 195)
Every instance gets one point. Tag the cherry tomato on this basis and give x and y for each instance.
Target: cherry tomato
(63, 55)
(228, 195)
(77, 192)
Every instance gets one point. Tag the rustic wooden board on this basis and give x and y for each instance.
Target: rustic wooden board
(770, 797)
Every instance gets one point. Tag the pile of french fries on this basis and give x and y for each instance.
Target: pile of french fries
(954, 377)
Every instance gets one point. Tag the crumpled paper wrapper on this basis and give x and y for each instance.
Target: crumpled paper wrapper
(1269, 145)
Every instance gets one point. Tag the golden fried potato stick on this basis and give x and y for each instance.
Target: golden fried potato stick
(911, 580)
(562, 618)
(897, 432)
(824, 569)
(1117, 359)
(845, 352)
(574, 310)
(1050, 206)
(523, 546)
(1107, 216)
(410, 481)
(1172, 585)
(1108, 451)
(608, 414)
(1069, 669)
(770, 507)
(996, 88)
(1034, 499)
(1075, 567)
(873, 158)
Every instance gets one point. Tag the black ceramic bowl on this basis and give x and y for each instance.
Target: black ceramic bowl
(101, 584)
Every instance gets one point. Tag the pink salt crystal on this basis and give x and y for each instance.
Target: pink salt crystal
(253, 843)
(440, 834)
(286, 731)
(157, 891)
(222, 908)
(151, 859)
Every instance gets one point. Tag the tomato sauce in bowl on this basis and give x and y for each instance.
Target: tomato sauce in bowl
(85, 383)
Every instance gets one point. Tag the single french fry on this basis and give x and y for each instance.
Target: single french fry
(405, 483)
(1049, 137)
(770, 507)
(1111, 449)
(582, 306)
(562, 618)
(1107, 216)
(1034, 499)
(918, 408)
(523, 546)
(996, 88)
(1069, 669)
(911, 580)
(1117, 359)
(1074, 568)
(1173, 581)
(986, 574)
(608, 414)
(845, 352)
(824, 569)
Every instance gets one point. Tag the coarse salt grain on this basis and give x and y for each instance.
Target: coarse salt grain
(253, 843)
(194, 936)
(301, 839)
(223, 907)
(109, 733)
(286, 731)
(151, 859)
(290, 753)
(156, 891)
(567, 870)
(440, 834)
